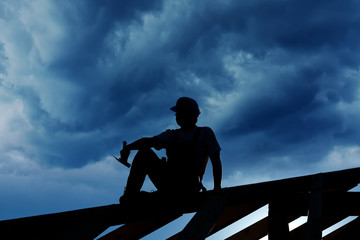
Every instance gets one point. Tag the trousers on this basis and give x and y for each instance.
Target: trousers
(164, 178)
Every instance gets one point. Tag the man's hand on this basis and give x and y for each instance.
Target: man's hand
(138, 144)
(124, 155)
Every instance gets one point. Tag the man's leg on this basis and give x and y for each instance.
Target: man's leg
(145, 162)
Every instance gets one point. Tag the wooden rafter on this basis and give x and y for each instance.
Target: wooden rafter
(325, 196)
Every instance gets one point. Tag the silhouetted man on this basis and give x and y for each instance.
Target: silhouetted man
(187, 148)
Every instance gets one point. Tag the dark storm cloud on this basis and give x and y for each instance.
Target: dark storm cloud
(68, 105)
(278, 72)
(89, 23)
(300, 104)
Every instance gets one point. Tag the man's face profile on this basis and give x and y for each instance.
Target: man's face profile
(186, 118)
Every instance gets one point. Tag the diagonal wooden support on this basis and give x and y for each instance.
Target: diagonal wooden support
(348, 231)
(137, 230)
(314, 225)
(299, 233)
(233, 213)
(327, 199)
(201, 224)
(255, 231)
(278, 221)
(230, 215)
(87, 229)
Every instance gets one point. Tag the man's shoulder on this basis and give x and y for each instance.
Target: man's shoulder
(206, 130)
(167, 133)
(164, 138)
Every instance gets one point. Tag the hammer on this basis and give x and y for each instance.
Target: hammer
(123, 159)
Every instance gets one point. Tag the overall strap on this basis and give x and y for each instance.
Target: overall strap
(196, 136)
(195, 139)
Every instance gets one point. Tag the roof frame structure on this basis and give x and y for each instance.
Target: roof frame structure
(324, 198)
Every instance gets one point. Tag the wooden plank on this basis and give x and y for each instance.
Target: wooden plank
(86, 229)
(234, 213)
(203, 221)
(300, 232)
(334, 204)
(314, 224)
(349, 231)
(347, 201)
(230, 215)
(137, 230)
(87, 222)
(278, 220)
(332, 181)
(84, 222)
(341, 204)
(255, 231)
(54, 224)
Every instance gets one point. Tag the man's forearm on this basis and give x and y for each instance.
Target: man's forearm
(141, 143)
(217, 170)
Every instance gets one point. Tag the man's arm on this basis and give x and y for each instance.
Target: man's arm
(141, 143)
(138, 144)
(217, 169)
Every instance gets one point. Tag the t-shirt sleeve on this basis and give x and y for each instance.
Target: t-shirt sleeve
(163, 139)
(212, 145)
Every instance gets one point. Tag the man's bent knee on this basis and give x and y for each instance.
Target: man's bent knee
(144, 156)
(146, 152)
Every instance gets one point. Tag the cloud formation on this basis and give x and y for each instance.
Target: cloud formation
(277, 80)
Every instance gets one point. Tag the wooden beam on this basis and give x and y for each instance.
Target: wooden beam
(314, 224)
(341, 204)
(203, 221)
(333, 204)
(230, 215)
(51, 225)
(349, 231)
(87, 222)
(255, 231)
(234, 213)
(332, 181)
(91, 221)
(278, 221)
(300, 232)
(137, 230)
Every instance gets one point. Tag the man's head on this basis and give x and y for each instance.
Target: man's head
(187, 111)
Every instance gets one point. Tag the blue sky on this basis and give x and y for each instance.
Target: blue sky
(277, 80)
